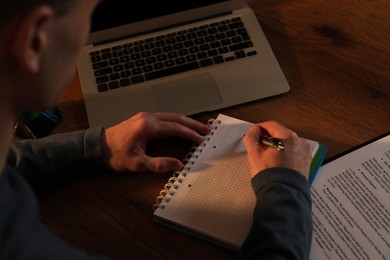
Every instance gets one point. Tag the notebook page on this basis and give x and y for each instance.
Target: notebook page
(216, 198)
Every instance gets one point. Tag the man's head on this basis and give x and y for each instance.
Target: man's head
(11, 8)
(40, 42)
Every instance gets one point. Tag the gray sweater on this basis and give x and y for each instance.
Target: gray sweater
(282, 217)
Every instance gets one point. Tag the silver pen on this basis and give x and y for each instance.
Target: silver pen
(273, 142)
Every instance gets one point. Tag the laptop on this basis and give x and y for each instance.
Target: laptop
(177, 56)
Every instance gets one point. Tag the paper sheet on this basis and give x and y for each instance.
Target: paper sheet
(351, 205)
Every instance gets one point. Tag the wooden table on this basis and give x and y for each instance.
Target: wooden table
(336, 57)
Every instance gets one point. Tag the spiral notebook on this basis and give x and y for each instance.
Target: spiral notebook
(212, 196)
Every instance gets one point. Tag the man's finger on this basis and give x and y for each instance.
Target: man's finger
(163, 164)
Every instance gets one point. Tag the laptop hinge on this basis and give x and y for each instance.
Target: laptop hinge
(159, 29)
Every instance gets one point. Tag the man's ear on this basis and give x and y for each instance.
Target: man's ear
(31, 36)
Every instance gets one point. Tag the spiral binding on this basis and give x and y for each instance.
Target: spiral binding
(177, 178)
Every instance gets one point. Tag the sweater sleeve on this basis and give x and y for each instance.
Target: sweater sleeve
(282, 222)
(51, 159)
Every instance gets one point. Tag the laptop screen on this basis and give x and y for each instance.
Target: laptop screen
(113, 13)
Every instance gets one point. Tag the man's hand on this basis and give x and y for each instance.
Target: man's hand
(124, 145)
(296, 155)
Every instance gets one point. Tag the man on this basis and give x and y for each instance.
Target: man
(40, 41)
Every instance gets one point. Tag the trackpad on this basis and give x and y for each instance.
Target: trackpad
(187, 96)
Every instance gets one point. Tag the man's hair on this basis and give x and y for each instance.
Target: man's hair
(10, 8)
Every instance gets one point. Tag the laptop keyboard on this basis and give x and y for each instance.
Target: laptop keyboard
(172, 53)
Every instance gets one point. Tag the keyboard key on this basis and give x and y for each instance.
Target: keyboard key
(171, 71)
(212, 30)
(149, 40)
(172, 55)
(167, 48)
(162, 57)
(226, 42)
(102, 87)
(114, 76)
(139, 48)
(183, 52)
(100, 65)
(137, 79)
(118, 67)
(125, 74)
(140, 63)
(104, 71)
(230, 58)
(150, 60)
(190, 58)
(191, 35)
(146, 54)
(158, 66)
(240, 54)
(223, 28)
(135, 56)
(240, 46)
(113, 84)
(210, 38)
(189, 43)
(170, 40)
(202, 33)
(251, 53)
(129, 65)
(96, 58)
(236, 39)
(218, 59)
(199, 41)
(156, 51)
(113, 62)
(194, 49)
(169, 63)
(231, 34)
(211, 53)
(223, 50)
(102, 79)
(215, 45)
(160, 43)
(125, 82)
(93, 53)
(206, 62)
(117, 53)
(147, 68)
(180, 60)
(236, 25)
(204, 47)
(124, 59)
(201, 55)
(136, 71)
(106, 56)
(178, 46)
(149, 45)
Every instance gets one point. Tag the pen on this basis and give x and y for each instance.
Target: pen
(273, 142)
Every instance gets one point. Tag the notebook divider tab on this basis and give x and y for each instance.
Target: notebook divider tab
(174, 182)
